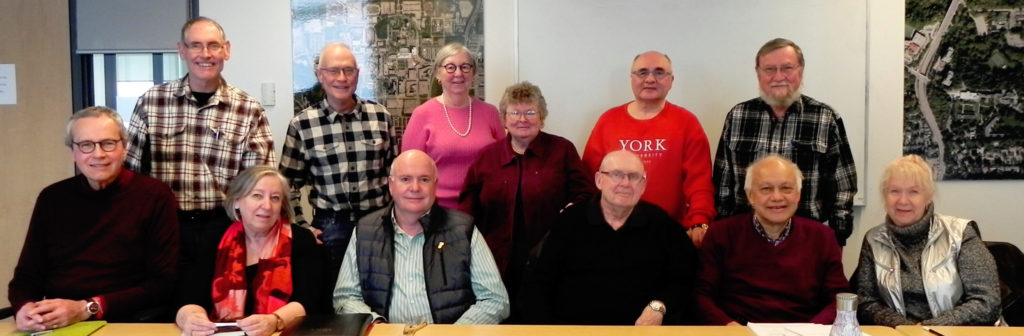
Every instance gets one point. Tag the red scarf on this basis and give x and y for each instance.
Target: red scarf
(273, 281)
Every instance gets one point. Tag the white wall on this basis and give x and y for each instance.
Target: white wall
(261, 50)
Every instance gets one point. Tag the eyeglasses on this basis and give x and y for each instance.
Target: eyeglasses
(658, 73)
(786, 70)
(618, 176)
(465, 67)
(86, 147)
(782, 189)
(335, 72)
(529, 114)
(197, 47)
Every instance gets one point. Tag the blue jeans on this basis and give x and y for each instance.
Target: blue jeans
(336, 233)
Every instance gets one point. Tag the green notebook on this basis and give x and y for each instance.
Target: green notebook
(78, 329)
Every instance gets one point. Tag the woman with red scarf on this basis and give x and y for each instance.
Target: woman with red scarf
(260, 271)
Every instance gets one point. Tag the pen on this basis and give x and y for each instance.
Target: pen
(44, 332)
(936, 333)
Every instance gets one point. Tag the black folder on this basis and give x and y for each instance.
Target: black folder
(331, 325)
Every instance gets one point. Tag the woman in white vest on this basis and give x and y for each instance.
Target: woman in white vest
(922, 267)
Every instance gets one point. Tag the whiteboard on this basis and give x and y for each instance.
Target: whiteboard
(579, 53)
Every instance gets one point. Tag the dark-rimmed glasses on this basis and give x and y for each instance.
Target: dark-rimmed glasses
(465, 67)
(86, 147)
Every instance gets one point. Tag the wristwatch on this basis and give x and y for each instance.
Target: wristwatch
(280, 322)
(702, 226)
(92, 307)
(658, 306)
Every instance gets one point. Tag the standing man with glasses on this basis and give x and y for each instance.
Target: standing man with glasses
(785, 122)
(100, 245)
(668, 138)
(342, 147)
(198, 132)
(614, 259)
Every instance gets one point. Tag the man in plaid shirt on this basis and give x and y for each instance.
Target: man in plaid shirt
(783, 121)
(198, 132)
(342, 147)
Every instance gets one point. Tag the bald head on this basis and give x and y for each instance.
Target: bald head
(335, 49)
(412, 183)
(622, 180)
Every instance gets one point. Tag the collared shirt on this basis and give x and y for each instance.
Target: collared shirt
(409, 302)
(810, 134)
(344, 156)
(772, 241)
(197, 149)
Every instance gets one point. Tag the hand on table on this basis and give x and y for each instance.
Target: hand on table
(649, 317)
(50, 314)
(258, 324)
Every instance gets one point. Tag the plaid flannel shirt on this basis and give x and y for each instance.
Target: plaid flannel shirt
(811, 135)
(196, 149)
(345, 157)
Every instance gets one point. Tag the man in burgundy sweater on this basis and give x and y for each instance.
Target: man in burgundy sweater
(102, 244)
(769, 265)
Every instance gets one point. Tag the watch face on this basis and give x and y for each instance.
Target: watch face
(93, 307)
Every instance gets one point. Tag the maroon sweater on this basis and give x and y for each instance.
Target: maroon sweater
(745, 279)
(120, 243)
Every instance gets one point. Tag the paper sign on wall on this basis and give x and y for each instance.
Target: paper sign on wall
(8, 85)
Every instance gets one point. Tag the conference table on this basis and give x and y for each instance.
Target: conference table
(159, 329)
(961, 331)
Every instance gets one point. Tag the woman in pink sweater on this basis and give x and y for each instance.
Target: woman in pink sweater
(452, 128)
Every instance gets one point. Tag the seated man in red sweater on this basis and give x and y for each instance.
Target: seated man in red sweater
(102, 244)
(769, 265)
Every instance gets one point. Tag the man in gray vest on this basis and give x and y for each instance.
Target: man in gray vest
(415, 261)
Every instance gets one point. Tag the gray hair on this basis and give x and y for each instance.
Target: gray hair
(523, 93)
(776, 44)
(198, 19)
(242, 185)
(93, 112)
(319, 57)
(773, 158)
(452, 49)
(658, 52)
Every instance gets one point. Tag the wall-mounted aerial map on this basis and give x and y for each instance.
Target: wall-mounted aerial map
(963, 82)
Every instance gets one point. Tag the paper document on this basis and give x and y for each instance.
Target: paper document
(791, 329)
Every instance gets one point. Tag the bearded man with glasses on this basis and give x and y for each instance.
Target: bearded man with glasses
(783, 121)
(102, 244)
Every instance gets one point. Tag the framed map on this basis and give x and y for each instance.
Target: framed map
(394, 43)
(964, 65)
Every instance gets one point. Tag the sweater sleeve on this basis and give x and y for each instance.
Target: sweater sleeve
(697, 184)
(26, 285)
(594, 152)
(872, 309)
(579, 185)
(416, 131)
(835, 279)
(979, 304)
(162, 240)
(308, 272)
(709, 275)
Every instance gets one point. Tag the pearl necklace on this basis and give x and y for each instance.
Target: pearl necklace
(450, 124)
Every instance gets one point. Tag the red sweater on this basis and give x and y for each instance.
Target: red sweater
(675, 153)
(745, 279)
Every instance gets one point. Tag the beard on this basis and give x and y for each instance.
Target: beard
(784, 101)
